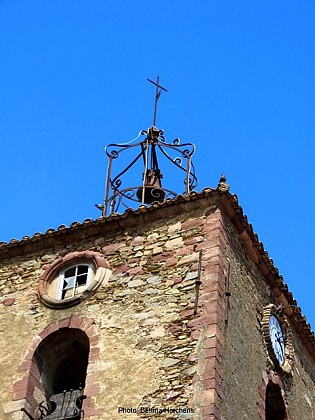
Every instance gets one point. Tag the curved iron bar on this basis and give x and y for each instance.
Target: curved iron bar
(186, 153)
(126, 169)
(177, 146)
(176, 160)
(193, 181)
(154, 138)
(129, 194)
(115, 153)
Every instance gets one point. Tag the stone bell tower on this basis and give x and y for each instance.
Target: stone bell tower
(166, 306)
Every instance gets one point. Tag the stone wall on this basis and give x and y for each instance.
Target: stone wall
(245, 364)
(149, 351)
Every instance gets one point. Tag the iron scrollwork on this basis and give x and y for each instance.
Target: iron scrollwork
(119, 197)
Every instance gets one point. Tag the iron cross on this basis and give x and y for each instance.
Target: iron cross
(158, 92)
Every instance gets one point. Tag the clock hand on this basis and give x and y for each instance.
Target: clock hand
(280, 345)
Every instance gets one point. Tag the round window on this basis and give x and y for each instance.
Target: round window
(71, 279)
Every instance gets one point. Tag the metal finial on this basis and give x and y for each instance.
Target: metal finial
(120, 194)
(158, 92)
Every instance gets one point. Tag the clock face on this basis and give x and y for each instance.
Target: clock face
(277, 339)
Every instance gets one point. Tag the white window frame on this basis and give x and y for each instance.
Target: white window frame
(61, 278)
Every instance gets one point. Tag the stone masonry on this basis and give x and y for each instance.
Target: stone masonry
(149, 353)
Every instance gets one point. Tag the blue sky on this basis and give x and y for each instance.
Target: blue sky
(241, 87)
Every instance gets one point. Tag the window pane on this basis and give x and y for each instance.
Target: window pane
(74, 280)
(69, 283)
(81, 279)
(82, 269)
(70, 272)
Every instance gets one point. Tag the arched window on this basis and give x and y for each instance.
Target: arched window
(72, 279)
(275, 406)
(60, 362)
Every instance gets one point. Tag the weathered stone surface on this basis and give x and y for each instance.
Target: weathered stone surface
(176, 227)
(151, 348)
(174, 243)
(135, 283)
(170, 362)
(154, 280)
(13, 406)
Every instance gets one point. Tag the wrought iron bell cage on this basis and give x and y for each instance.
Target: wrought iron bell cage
(119, 196)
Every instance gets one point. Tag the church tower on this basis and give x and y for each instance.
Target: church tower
(169, 308)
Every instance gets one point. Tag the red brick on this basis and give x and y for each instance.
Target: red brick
(92, 389)
(193, 241)
(213, 235)
(8, 302)
(91, 331)
(186, 313)
(35, 343)
(94, 354)
(90, 412)
(75, 321)
(86, 323)
(195, 335)
(204, 320)
(178, 280)
(213, 221)
(210, 412)
(20, 385)
(175, 329)
(135, 270)
(211, 363)
(64, 322)
(209, 383)
(121, 269)
(19, 395)
(215, 331)
(34, 381)
(215, 295)
(211, 372)
(262, 391)
(50, 329)
(113, 247)
(94, 340)
(209, 397)
(214, 306)
(171, 262)
(207, 245)
(32, 402)
(213, 352)
(210, 266)
(34, 372)
(212, 285)
(187, 250)
(29, 356)
(192, 224)
(212, 342)
(25, 366)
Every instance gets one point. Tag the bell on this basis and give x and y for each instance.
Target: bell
(152, 189)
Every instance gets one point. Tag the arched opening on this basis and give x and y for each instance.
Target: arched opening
(61, 361)
(275, 406)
